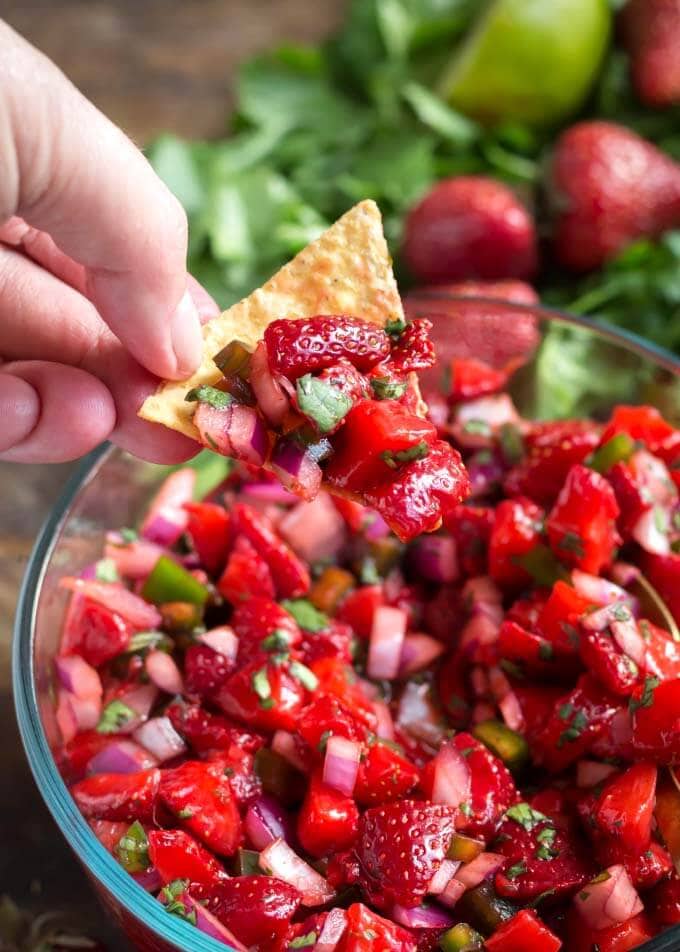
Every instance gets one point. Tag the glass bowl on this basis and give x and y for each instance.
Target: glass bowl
(568, 366)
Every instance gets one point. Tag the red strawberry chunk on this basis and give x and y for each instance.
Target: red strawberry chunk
(532, 653)
(176, 855)
(369, 932)
(621, 938)
(246, 575)
(582, 524)
(663, 571)
(656, 720)
(559, 617)
(471, 378)
(257, 909)
(109, 832)
(517, 530)
(346, 378)
(95, 632)
(414, 350)
(604, 659)
(644, 424)
(258, 619)
(419, 495)
(238, 766)
(624, 809)
(290, 574)
(205, 731)
(328, 821)
(471, 527)
(645, 869)
(110, 796)
(307, 345)
(325, 716)
(664, 901)
(205, 670)
(74, 757)
(523, 933)
(401, 846)
(551, 450)
(358, 608)
(264, 695)
(200, 796)
(384, 775)
(208, 530)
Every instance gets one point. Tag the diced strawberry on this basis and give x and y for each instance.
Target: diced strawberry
(582, 524)
(238, 766)
(384, 431)
(629, 496)
(517, 530)
(205, 731)
(208, 530)
(258, 619)
(533, 654)
(541, 858)
(346, 378)
(414, 350)
(643, 423)
(471, 527)
(384, 775)
(523, 933)
(664, 901)
(559, 617)
(95, 632)
(358, 608)
(264, 695)
(526, 611)
(576, 723)
(492, 789)
(205, 670)
(417, 497)
(622, 938)
(645, 869)
(200, 796)
(109, 832)
(109, 796)
(257, 909)
(369, 932)
(74, 757)
(334, 641)
(663, 571)
(656, 720)
(176, 855)
(290, 575)
(552, 448)
(602, 656)
(328, 821)
(326, 715)
(471, 378)
(307, 345)
(663, 653)
(339, 679)
(400, 848)
(246, 575)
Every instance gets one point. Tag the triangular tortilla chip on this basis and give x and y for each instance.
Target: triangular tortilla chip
(347, 270)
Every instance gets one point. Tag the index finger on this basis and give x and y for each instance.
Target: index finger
(75, 175)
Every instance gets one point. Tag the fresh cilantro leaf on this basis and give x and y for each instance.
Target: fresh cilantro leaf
(305, 614)
(323, 403)
(395, 458)
(218, 399)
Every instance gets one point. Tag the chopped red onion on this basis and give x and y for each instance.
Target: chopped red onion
(506, 699)
(375, 526)
(441, 878)
(480, 868)
(422, 917)
(476, 421)
(279, 859)
(386, 642)
(482, 711)
(486, 473)
(418, 716)
(610, 901)
(131, 607)
(314, 530)
(284, 744)
(133, 560)
(78, 677)
(270, 395)
(266, 821)
(652, 531)
(332, 931)
(627, 636)
(481, 629)
(149, 879)
(434, 558)
(603, 617)
(479, 681)
(167, 518)
(418, 652)
(341, 764)
(65, 716)
(452, 779)
(598, 590)
(222, 640)
(160, 738)
(625, 574)
(210, 924)
(268, 493)
(86, 710)
(163, 672)
(591, 772)
(385, 725)
(121, 756)
(141, 699)
(369, 689)
(453, 891)
(296, 468)
(237, 431)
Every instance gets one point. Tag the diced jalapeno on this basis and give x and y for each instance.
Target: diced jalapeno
(170, 582)
(616, 450)
(132, 849)
(181, 616)
(234, 359)
(505, 743)
(247, 863)
(485, 910)
(461, 938)
(279, 778)
(465, 848)
(542, 566)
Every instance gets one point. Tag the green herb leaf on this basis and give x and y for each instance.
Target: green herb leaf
(303, 674)
(115, 716)
(323, 403)
(303, 941)
(132, 849)
(106, 571)
(517, 870)
(305, 614)
(395, 458)
(219, 399)
(277, 641)
(261, 685)
(386, 389)
(647, 697)
(525, 815)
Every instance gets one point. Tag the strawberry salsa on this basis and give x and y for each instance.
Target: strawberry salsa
(299, 732)
(335, 398)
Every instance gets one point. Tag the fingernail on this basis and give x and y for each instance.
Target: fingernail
(185, 333)
(19, 410)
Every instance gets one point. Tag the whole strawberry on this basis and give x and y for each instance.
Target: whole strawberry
(651, 34)
(608, 187)
(470, 227)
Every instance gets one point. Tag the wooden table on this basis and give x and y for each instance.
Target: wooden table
(151, 65)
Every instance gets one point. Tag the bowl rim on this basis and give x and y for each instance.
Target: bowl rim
(95, 859)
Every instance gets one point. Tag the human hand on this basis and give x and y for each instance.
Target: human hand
(94, 293)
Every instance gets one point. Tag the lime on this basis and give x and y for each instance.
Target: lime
(530, 61)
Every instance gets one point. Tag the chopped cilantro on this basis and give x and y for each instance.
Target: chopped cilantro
(277, 641)
(321, 402)
(128, 535)
(386, 389)
(219, 399)
(477, 428)
(525, 815)
(621, 612)
(575, 728)
(395, 327)
(369, 574)
(512, 668)
(565, 711)
(572, 542)
(114, 716)
(303, 941)
(393, 459)
(132, 849)
(647, 696)
(514, 871)
(106, 571)
(262, 687)
(305, 614)
(323, 740)
(466, 809)
(185, 814)
(303, 674)
(170, 897)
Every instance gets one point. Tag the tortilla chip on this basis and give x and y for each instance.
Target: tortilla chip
(347, 270)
